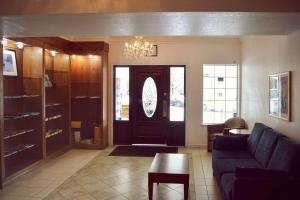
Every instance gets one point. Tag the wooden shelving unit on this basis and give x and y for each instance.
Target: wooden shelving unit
(22, 112)
(35, 117)
(89, 95)
(57, 101)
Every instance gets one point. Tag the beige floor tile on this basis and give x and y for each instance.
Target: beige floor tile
(105, 194)
(210, 181)
(202, 197)
(72, 192)
(109, 178)
(214, 197)
(136, 195)
(84, 197)
(201, 190)
(127, 187)
(119, 197)
(212, 190)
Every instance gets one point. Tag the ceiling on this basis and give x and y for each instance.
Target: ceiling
(155, 24)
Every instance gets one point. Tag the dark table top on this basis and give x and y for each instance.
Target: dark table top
(170, 163)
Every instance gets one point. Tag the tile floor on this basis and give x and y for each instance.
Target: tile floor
(112, 183)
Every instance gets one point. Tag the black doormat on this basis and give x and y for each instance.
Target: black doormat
(141, 151)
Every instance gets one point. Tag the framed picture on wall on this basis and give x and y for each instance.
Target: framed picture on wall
(154, 51)
(280, 95)
(10, 63)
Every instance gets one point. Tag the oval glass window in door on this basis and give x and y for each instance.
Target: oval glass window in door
(149, 97)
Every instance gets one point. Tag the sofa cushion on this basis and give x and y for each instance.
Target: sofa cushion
(260, 173)
(222, 166)
(265, 146)
(255, 136)
(227, 181)
(230, 154)
(230, 142)
(286, 157)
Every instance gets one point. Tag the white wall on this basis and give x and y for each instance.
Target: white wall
(262, 56)
(192, 52)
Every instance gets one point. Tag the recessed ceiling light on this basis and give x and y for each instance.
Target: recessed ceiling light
(53, 53)
(20, 45)
(4, 41)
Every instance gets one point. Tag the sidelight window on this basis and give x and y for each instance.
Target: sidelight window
(177, 94)
(122, 93)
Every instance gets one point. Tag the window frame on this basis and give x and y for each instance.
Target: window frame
(238, 88)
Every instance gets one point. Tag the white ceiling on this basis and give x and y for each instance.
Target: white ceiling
(154, 24)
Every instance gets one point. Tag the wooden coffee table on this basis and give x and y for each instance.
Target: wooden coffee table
(169, 168)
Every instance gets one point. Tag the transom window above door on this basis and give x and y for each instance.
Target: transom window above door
(220, 93)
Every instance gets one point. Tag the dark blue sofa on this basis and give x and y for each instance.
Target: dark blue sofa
(262, 166)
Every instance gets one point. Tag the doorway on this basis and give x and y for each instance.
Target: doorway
(149, 105)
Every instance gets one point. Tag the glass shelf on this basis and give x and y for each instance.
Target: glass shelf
(94, 97)
(14, 133)
(86, 97)
(79, 97)
(10, 151)
(53, 117)
(21, 115)
(53, 104)
(51, 133)
(21, 96)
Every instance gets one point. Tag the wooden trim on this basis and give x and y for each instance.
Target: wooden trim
(65, 46)
(1, 119)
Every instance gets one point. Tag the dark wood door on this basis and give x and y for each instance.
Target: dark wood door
(149, 88)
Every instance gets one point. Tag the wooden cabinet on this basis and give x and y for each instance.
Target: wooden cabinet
(89, 95)
(21, 141)
(36, 105)
(57, 101)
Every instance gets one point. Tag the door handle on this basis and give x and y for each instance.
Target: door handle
(165, 108)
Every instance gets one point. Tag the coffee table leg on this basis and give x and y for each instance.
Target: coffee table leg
(186, 191)
(150, 188)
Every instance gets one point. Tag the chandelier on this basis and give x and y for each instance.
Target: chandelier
(138, 48)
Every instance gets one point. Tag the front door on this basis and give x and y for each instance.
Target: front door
(149, 105)
(149, 88)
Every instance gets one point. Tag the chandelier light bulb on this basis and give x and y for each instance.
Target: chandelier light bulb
(4, 41)
(20, 45)
(73, 56)
(90, 56)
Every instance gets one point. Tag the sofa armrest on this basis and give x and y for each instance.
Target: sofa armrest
(215, 128)
(259, 184)
(230, 142)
